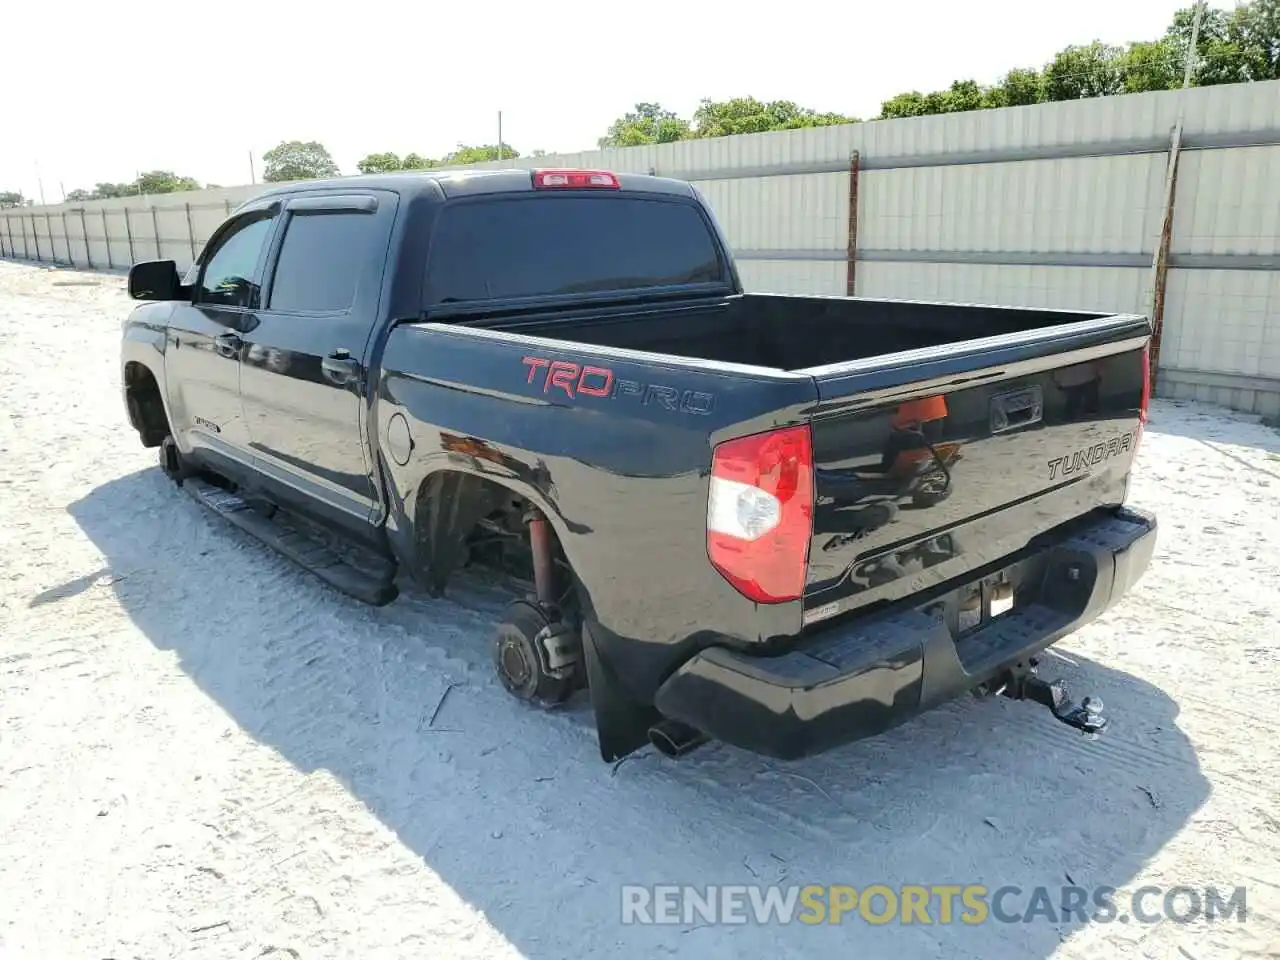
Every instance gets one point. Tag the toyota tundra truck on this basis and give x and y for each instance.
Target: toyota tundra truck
(780, 522)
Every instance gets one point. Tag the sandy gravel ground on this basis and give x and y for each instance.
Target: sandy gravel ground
(206, 753)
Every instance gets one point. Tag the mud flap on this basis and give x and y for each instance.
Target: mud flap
(622, 725)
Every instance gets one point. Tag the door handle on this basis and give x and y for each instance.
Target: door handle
(340, 367)
(228, 344)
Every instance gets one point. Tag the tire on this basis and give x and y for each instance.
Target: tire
(931, 489)
(516, 659)
(171, 461)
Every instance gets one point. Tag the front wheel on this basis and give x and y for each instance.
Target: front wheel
(171, 460)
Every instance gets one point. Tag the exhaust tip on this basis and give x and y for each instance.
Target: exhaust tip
(674, 739)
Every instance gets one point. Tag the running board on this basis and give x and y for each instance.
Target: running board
(279, 533)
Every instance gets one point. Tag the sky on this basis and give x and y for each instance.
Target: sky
(99, 91)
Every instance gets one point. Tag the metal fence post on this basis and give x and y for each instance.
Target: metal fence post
(106, 238)
(128, 230)
(155, 228)
(48, 226)
(851, 250)
(9, 230)
(226, 204)
(35, 235)
(191, 232)
(66, 236)
(84, 229)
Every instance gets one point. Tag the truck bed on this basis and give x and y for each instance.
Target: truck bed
(944, 435)
(783, 332)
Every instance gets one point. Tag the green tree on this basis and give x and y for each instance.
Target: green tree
(910, 104)
(416, 161)
(1231, 47)
(80, 196)
(1150, 66)
(1020, 87)
(725, 118)
(105, 191)
(647, 123)
(164, 181)
(1220, 58)
(298, 160)
(489, 151)
(1255, 29)
(1077, 72)
(963, 95)
(11, 198)
(380, 163)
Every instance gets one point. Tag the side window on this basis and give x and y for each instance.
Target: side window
(321, 260)
(229, 277)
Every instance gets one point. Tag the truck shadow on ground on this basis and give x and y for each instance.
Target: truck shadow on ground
(513, 809)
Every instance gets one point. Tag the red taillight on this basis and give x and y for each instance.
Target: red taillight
(760, 513)
(1145, 403)
(575, 180)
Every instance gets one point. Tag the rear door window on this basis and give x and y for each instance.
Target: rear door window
(532, 246)
(321, 261)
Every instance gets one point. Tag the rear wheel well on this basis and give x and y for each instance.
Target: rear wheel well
(460, 518)
(145, 404)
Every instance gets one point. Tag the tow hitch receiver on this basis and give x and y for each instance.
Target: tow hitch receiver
(1021, 683)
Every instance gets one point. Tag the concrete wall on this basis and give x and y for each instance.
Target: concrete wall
(1057, 205)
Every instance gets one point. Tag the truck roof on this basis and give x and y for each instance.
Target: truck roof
(462, 182)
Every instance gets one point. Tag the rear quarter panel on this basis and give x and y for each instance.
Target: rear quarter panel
(614, 446)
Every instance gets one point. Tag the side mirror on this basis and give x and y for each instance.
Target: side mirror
(155, 280)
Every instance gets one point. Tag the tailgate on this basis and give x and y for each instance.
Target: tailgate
(933, 463)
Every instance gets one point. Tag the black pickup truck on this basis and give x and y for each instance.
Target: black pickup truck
(783, 522)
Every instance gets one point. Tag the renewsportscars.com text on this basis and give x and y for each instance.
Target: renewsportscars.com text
(919, 904)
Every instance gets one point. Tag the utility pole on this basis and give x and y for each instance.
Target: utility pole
(1191, 50)
(253, 177)
(500, 150)
(1160, 260)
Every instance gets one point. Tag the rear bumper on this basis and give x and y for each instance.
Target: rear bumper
(862, 677)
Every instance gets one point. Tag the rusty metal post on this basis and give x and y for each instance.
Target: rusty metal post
(8, 228)
(35, 235)
(84, 229)
(191, 232)
(1160, 262)
(106, 238)
(155, 228)
(128, 230)
(850, 285)
(48, 228)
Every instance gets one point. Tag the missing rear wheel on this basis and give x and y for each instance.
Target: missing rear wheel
(535, 655)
